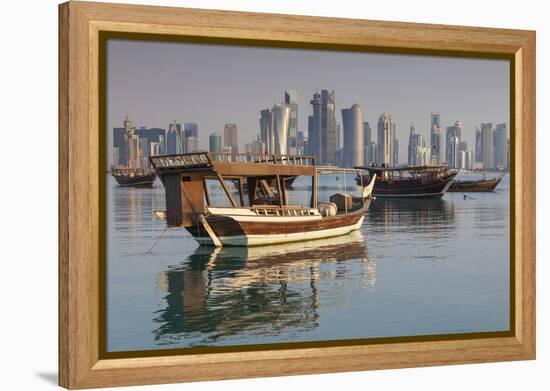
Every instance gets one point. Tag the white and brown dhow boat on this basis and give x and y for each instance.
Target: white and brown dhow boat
(259, 211)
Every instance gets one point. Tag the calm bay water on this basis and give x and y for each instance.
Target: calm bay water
(416, 267)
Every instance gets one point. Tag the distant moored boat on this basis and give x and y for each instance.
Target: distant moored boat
(409, 181)
(478, 186)
(134, 177)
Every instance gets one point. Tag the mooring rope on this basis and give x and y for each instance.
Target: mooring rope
(156, 241)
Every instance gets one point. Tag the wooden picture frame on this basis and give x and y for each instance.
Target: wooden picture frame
(81, 364)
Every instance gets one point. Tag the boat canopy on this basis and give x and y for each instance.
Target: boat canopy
(185, 179)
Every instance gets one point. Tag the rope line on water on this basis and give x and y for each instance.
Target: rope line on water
(156, 241)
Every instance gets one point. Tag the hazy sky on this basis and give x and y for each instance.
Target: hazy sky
(156, 82)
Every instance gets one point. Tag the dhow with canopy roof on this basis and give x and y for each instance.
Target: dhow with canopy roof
(260, 211)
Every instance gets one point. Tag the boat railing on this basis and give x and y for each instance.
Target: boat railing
(205, 159)
(296, 160)
(291, 212)
(181, 161)
(129, 171)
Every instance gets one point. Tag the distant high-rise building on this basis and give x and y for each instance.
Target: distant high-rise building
(338, 146)
(315, 138)
(395, 147)
(501, 147)
(411, 149)
(478, 146)
(129, 153)
(118, 143)
(452, 131)
(328, 126)
(191, 137)
(215, 142)
(281, 123)
(174, 139)
(435, 138)
(311, 136)
(487, 139)
(301, 143)
(230, 137)
(257, 146)
(423, 156)
(416, 149)
(291, 99)
(367, 134)
(371, 154)
(465, 160)
(155, 148)
(115, 156)
(385, 139)
(266, 130)
(274, 129)
(324, 127)
(338, 136)
(453, 152)
(353, 152)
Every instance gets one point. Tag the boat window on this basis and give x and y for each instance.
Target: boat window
(217, 194)
(298, 190)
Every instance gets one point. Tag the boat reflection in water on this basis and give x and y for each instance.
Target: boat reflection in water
(435, 217)
(219, 293)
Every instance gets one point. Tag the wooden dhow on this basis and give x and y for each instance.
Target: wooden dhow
(409, 181)
(258, 210)
(133, 177)
(475, 186)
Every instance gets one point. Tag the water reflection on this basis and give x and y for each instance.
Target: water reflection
(436, 216)
(267, 290)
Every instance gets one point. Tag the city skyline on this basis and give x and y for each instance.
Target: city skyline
(472, 91)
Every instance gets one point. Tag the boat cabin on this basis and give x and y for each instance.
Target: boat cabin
(406, 172)
(249, 181)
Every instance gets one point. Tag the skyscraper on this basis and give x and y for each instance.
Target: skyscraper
(328, 126)
(337, 136)
(215, 142)
(291, 99)
(422, 156)
(479, 146)
(311, 136)
(385, 139)
(367, 133)
(416, 141)
(338, 147)
(266, 130)
(191, 137)
(411, 149)
(174, 142)
(452, 131)
(488, 148)
(501, 147)
(316, 139)
(274, 129)
(281, 123)
(435, 139)
(230, 137)
(129, 154)
(371, 154)
(354, 153)
(395, 156)
(453, 152)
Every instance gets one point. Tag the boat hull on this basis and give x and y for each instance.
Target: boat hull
(258, 231)
(480, 186)
(412, 187)
(146, 180)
